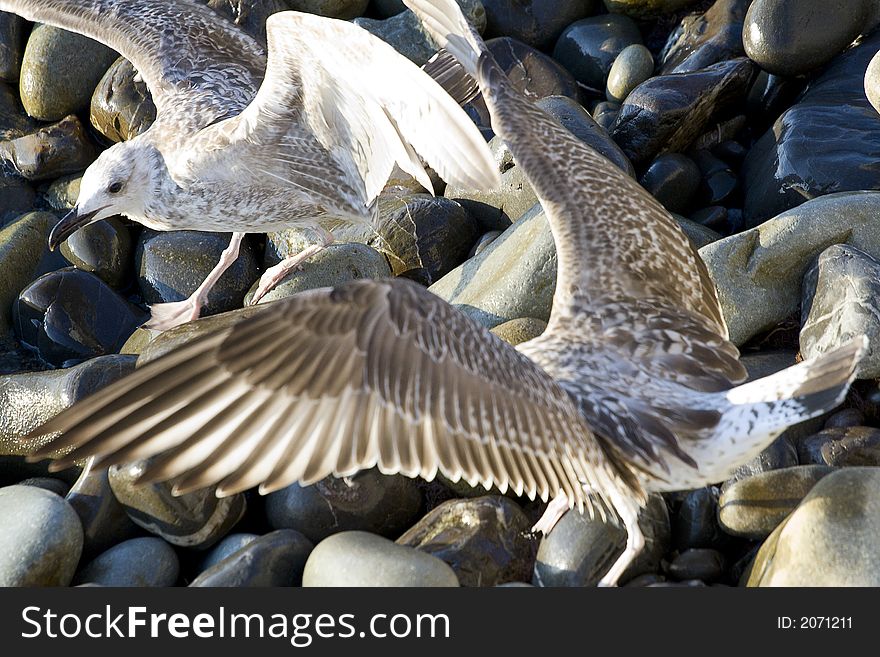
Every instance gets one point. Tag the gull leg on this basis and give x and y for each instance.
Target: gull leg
(164, 316)
(276, 273)
(557, 508)
(635, 540)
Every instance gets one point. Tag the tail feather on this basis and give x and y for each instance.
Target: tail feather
(447, 25)
(814, 386)
(452, 76)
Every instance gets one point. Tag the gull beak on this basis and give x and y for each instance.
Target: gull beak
(69, 224)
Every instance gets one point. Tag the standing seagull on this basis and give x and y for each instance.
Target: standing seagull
(631, 389)
(336, 110)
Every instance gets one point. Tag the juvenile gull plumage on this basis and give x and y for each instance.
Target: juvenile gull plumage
(232, 150)
(631, 389)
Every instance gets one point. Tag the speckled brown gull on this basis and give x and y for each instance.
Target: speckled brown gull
(632, 388)
(246, 143)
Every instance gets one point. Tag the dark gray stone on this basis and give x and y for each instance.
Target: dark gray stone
(647, 8)
(344, 9)
(588, 47)
(673, 180)
(50, 484)
(121, 108)
(103, 248)
(13, 34)
(146, 561)
(850, 446)
(50, 152)
(698, 564)
(530, 71)
(696, 523)
(705, 39)
(535, 22)
(225, 548)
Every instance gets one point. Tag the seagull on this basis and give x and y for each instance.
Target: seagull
(633, 388)
(246, 142)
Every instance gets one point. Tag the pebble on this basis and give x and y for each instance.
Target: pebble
(227, 546)
(171, 265)
(793, 37)
(850, 446)
(275, 559)
(826, 142)
(29, 399)
(839, 301)
(369, 501)
(718, 184)
(673, 179)
(485, 540)
(69, 315)
(647, 8)
(59, 72)
(695, 525)
(40, 538)
(705, 39)
(13, 33)
(519, 330)
(337, 264)
(698, 564)
(120, 107)
(53, 151)
(830, 539)
(605, 114)
(22, 247)
(196, 520)
(103, 248)
(668, 112)
(104, 521)
(754, 507)
(404, 31)
(758, 272)
(580, 549)
(344, 9)
(139, 562)
(588, 47)
(631, 67)
(848, 417)
(357, 558)
(535, 22)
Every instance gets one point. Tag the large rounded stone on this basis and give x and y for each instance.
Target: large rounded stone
(673, 180)
(842, 447)
(70, 315)
(485, 540)
(588, 47)
(791, 37)
(358, 558)
(535, 22)
(121, 108)
(60, 71)
(23, 244)
(530, 71)
(103, 248)
(13, 34)
(696, 523)
(519, 330)
(705, 39)
(40, 538)
(276, 559)
(52, 151)
(369, 501)
(754, 507)
(830, 539)
(147, 561)
(228, 546)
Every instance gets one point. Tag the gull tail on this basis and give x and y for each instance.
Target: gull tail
(797, 393)
(447, 25)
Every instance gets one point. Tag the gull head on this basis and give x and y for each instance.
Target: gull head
(120, 181)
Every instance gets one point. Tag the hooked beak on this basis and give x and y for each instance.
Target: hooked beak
(69, 224)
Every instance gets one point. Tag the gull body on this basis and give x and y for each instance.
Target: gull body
(633, 388)
(247, 140)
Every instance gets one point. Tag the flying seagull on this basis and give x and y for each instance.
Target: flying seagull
(246, 142)
(633, 388)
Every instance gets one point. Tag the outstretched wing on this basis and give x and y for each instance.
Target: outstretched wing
(338, 109)
(373, 373)
(199, 67)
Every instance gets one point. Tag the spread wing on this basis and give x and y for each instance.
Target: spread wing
(373, 373)
(199, 67)
(338, 109)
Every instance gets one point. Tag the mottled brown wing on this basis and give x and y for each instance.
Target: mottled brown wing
(199, 67)
(334, 381)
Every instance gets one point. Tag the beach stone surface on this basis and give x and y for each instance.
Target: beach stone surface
(588, 47)
(146, 561)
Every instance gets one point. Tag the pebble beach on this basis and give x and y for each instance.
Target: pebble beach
(750, 121)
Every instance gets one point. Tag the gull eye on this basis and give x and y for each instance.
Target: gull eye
(115, 188)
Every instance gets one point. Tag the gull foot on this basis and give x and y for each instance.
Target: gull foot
(557, 508)
(164, 316)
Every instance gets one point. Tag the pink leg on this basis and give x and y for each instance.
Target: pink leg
(557, 508)
(275, 274)
(164, 316)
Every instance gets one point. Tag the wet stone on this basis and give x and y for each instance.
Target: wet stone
(13, 34)
(121, 108)
(369, 501)
(647, 8)
(194, 520)
(530, 71)
(668, 112)
(698, 564)
(839, 302)
(146, 561)
(69, 315)
(535, 22)
(705, 39)
(486, 540)
(53, 151)
(580, 550)
(103, 248)
(850, 446)
(22, 245)
(633, 65)
(754, 507)
(14, 122)
(588, 47)
(718, 182)
(848, 417)
(673, 179)
(40, 538)
(17, 197)
(171, 265)
(275, 559)
(696, 523)
(344, 9)
(60, 71)
(356, 558)
(605, 114)
(228, 546)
